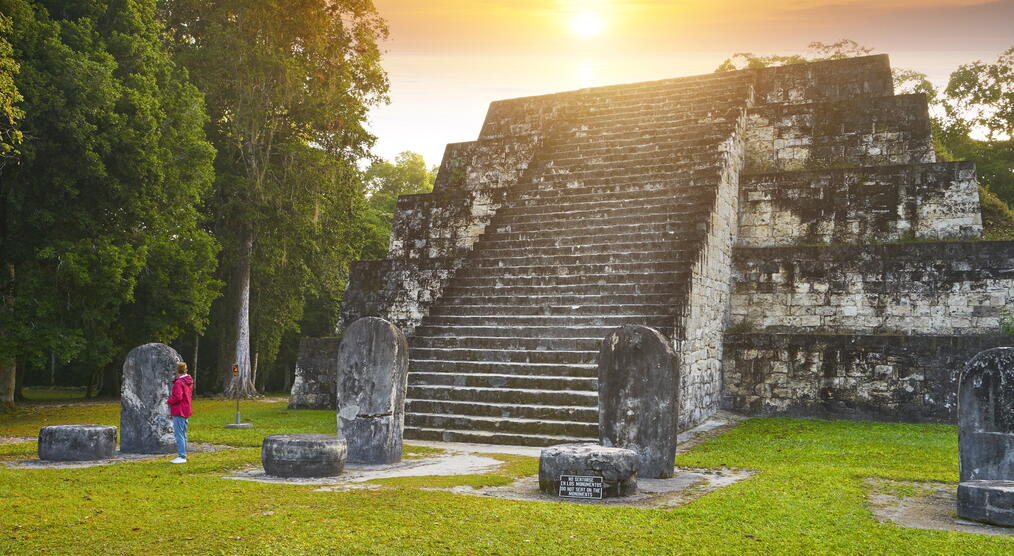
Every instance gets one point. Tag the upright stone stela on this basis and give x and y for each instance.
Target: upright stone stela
(986, 438)
(371, 381)
(148, 373)
(683, 205)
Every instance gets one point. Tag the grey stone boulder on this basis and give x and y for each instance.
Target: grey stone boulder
(616, 466)
(639, 397)
(148, 373)
(986, 438)
(77, 442)
(303, 455)
(372, 374)
(987, 501)
(314, 384)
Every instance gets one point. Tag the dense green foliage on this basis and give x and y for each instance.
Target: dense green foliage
(10, 137)
(102, 236)
(288, 86)
(385, 181)
(808, 497)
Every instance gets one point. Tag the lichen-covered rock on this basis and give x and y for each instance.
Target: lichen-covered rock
(372, 379)
(303, 455)
(145, 427)
(616, 466)
(986, 416)
(314, 384)
(77, 442)
(638, 397)
(986, 438)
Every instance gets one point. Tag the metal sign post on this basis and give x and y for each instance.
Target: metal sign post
(239, 424)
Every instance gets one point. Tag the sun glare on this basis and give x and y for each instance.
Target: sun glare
(587, 24)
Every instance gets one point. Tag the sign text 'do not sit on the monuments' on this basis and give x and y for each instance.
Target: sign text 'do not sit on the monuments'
(576, 486)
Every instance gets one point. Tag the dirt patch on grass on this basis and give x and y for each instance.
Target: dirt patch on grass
(687, 485)
(923, 505)
(192, 447)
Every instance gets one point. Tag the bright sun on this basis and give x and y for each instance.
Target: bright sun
(587, 24)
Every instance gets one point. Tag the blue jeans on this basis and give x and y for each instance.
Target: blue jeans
(180, 432)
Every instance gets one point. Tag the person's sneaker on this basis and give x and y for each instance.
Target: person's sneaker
(179, 460)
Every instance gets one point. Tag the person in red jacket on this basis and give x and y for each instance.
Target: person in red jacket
(180, 409)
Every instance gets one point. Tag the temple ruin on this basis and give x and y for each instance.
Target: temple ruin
(788, 229)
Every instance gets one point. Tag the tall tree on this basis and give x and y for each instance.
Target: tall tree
(286, 81)
(10, 138)
(101, 212)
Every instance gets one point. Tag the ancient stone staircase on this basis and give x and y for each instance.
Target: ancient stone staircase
(603, 229)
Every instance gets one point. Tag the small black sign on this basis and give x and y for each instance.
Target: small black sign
(576, 486)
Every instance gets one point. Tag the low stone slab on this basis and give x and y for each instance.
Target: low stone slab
(314, 384)
(639, 397)
(987, 501)
(616, 466)
(372, 380)
(303, 455)
(77, 442)
(148, 373)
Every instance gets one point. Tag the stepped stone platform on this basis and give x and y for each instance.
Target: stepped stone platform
(776, 204)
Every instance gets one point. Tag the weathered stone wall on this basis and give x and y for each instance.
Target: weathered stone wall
(397, 290)
(900, 378)
(868, 76)
(958, 288)
(873, 131)
(700, 345)
(860, 205)
(314, 384)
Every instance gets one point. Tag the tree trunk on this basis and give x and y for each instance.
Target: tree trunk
(110, 385)
(241, 385)
(193, 368)
(8, 378)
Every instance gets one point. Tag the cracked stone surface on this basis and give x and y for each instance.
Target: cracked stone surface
(638, 390)
(145, 427)
(616, 466)
(303, 455)
(371, 381)
(77, 442)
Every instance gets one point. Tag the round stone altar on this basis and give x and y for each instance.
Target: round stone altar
(303, 455)
(987, 501)
(77, 442)
(617, 468)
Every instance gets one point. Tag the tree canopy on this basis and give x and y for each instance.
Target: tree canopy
(288, 86)
(102, 231)
(385, 181)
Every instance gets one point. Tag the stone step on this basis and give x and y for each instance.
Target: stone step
(501, 425)
(557, 356)
(490, 380)
(502, 395)
(504, 343)
(648, 199)
(543, 300)
(494, 259)
(676, 284)
(494, 241)
(527, 321)
(694, 166)
(456, 310)
(591, 271)
(484, 437)
(582, 219)
(490, 366)
(580, 414)
(602, 233)
(628, 145)
(603, 249)
(556, 190)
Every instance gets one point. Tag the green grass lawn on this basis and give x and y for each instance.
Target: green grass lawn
(807, 497)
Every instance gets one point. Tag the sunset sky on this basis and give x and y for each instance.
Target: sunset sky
(448, 59)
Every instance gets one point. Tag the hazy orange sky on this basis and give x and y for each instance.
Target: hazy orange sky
(448, 59)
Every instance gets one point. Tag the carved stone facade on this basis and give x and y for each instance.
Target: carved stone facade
(791, 216)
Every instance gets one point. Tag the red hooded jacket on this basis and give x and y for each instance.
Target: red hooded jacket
(179, 402)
